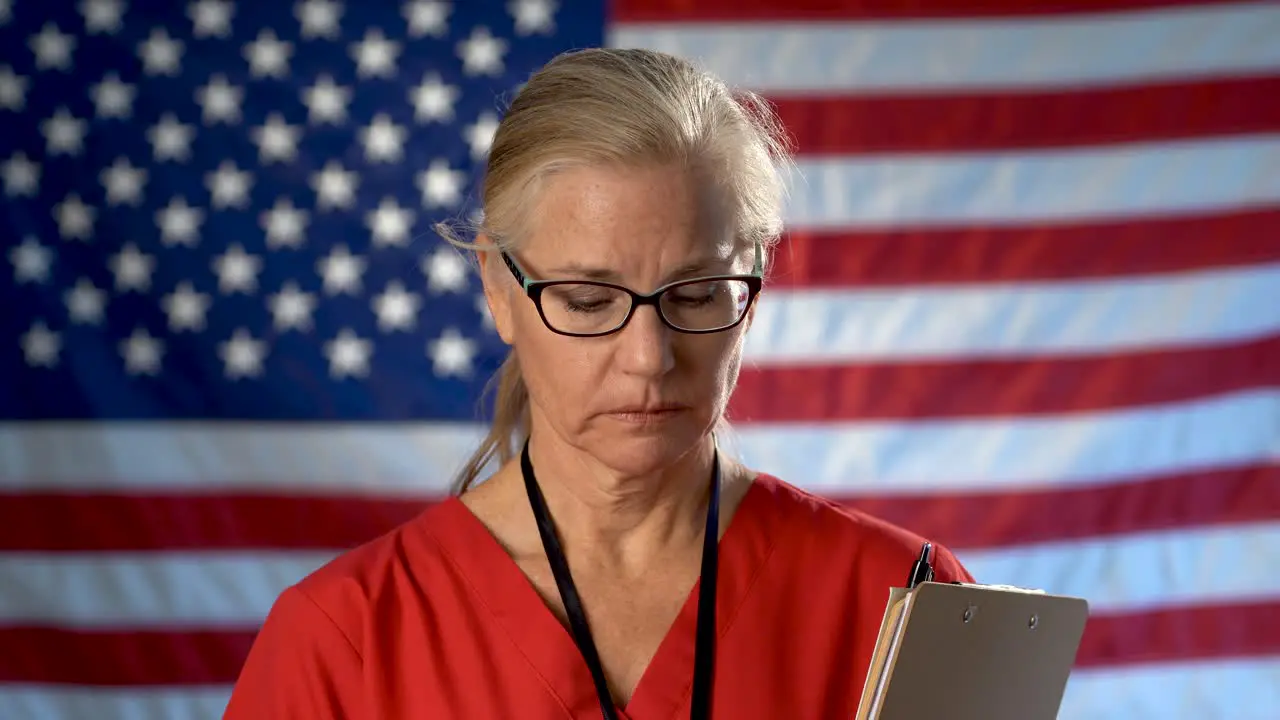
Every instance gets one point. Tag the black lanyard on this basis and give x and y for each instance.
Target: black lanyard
(704, 649)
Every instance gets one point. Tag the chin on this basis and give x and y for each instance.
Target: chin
(637, 448)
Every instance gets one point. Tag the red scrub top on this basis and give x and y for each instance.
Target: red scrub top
(435, 621)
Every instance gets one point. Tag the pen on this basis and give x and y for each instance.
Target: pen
(922, 571)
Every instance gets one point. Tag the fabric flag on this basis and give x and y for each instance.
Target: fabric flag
(1028, 304)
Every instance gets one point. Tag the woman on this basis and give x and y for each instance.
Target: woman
(630, 205)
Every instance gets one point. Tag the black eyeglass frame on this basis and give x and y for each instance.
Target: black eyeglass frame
(533, 289)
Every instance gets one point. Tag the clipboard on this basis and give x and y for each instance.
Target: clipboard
(972, 652)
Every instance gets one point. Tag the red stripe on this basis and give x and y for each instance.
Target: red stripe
(976, 121)
(745, 10)
(1001, 387)
(1211, 632)
(1027, 253)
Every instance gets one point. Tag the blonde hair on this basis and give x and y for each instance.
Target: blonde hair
(618, 107)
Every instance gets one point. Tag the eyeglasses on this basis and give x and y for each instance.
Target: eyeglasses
(586, 308)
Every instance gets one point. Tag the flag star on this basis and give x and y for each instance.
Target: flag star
(237, 270)
(74, 218)
(86, 304)
(52, 48)
(6, 11)
(179, 223)
(446, 271)
(277, 140)
(335, 187)
(242, 355)
(480, 134)
(482, 53)
(375, 56)
(383, 140)
(291, 308)
(132, 269)
(268, 55)
(142, 353)
(13, 90)
(341, 271)
(41, 346)
(170, 139)
(533, 16)
(102, 16)
(284, 224)
(427, 17)
(326, 102)
(31, 261)
(220, 100)
(229, 186)
(441, 186)
(390, 224)
(161, 54)
(451, 354)
(433, 99)
(396, 308)
(123, 182)
(348, 355)
(64, 133)
(186, 308)
(211, 18)
(112, 98)
(319, 18)
(21, 176)
(486, 315)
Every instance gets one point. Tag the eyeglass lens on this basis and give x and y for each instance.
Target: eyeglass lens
(583, 308)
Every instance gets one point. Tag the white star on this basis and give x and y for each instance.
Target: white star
(132, 269)
(291, 308)
(220, 100)
(242, 355)
(86, 304)
(433, 100)
(64, 133)
(427, 17)
(396, 308)
(41, 346)
(161, 54)
(142, 353)
(186, 308)
(451, 354)
(268, 56)
(74, 218)
(284, 224)
(348, 355)
(229, 186)
(13, 90)
(277, 140)
(335, 187)
(480, 134)
(170, 139)
(533, 16)
(21, 176)
(383, 140)
(31, 261)
(375, 56)
(237, 270)
(486, 315)
(112, 98)
(179, 223)
(390, 223)
(341, 271)
(52, 48)
(441, 186)
(319, 18)
(446, 271)
(123, 182)
(102, 16)
(211, 18)
(6, 11)
(326, 102)
(482, 53)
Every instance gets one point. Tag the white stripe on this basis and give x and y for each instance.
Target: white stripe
(59, 702)
(1017, 319)
(1236, 689)
(1118, 574)
(956, 54)
(1027, 186)
(1077, 449)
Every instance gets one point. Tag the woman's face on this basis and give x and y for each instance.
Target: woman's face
(640, 228)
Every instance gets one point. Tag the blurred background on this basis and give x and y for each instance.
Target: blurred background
(1028, 304)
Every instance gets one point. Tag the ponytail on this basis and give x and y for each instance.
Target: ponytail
(509, 428)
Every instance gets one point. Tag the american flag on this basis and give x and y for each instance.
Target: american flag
(1028, 304)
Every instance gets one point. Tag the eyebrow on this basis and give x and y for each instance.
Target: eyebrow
(689, 269)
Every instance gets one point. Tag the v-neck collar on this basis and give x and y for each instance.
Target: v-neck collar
(548, 645)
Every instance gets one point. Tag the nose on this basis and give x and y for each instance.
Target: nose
(645, 344)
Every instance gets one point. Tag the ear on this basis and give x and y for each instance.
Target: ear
(499, 287)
